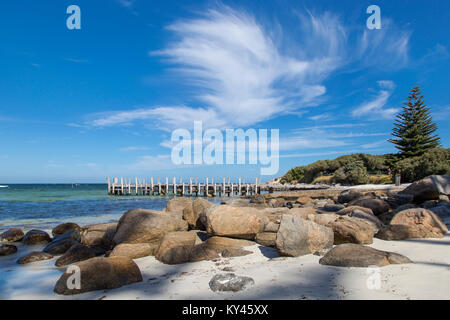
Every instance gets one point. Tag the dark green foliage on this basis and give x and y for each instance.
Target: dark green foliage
(414, 127)
(352, 173)
(307, 174)
(436, 161)
(354, 168)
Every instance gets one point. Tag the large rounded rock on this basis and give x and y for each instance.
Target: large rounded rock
(276, 203)
(266, 239)
(235, 252)
(332, 207)
(134, 250)
(377, 206)
(348, 211)
(397, 199)
(302, 212)
(12, 235)
(64, 228)
(442, 209)
(186, 208)
(425, 222)
(7, 249)
(356, 255)
(202, 252)
(230, 282)
(220, 243)
(352, 230)
(405, 207)
(429, 188)
(235, 222)
(258, 199)
(60, 246)
(76, 253)
(297, 237)
(73, 234)
(178, 204)
(386, 217)
(99, 274)
(304, 200)
(362, 213)
(272, 227)
(33, 257)
(147, 226)
(34, 237)
(347, 196)
(398, 232)
(200, 206)
(176, 247)
(323, 219)
(99, 235)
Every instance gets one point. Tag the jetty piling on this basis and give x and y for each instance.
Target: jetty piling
(209, 188)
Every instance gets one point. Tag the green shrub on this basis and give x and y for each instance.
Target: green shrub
(352, 173)
(435, 161)
(354, 168)
(307, 174)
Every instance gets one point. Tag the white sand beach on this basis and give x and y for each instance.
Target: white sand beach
(275, 278)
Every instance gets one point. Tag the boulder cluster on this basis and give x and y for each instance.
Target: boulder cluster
(336, 227)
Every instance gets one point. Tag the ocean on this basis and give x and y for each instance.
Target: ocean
(44, 206)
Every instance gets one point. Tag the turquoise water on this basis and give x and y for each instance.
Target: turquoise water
(46, 205)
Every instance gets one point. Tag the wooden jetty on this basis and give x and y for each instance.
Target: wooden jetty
(206, 188)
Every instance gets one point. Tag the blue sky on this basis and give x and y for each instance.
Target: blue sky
(80, 105)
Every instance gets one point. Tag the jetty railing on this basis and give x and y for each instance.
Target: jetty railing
(207, 188)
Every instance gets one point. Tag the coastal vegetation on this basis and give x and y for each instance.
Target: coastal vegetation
(414, 128)
(419, 155)
(364, 168)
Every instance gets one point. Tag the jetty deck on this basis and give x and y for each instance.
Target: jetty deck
(194, 187)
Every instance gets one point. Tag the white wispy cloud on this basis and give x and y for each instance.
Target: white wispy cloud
(375, 108)
(133, 148)
(375, 105)
(329, 126)
(375, 144)
(309, 142)
(441, 113)
(386, 84)
(129, 5)
(437, 53)
(170, 116)
(152, 163)
(387, 48)
(243, 74)
(76, 60)
(318, 138)
(322, 117)
(239, 69)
